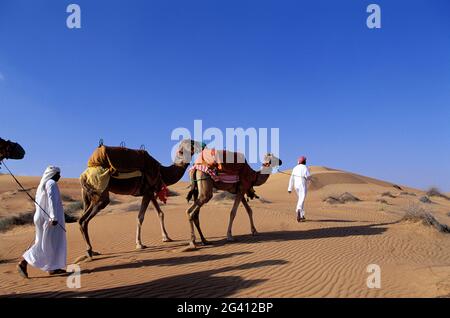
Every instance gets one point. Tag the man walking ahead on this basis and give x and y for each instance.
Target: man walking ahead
(299, 179)
(49, 250)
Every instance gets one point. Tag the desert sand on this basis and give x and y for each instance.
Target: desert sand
(327, 256)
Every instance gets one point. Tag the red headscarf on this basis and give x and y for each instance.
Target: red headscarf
(302, 160)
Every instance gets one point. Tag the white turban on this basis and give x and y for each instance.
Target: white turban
(49, 173)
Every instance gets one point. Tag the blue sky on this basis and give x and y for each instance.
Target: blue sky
(375, 102)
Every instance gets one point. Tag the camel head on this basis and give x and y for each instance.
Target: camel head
(11, 150)
(271, 161)
(186, 150)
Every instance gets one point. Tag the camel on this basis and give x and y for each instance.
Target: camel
(202, 189)
(10, 150)
(94, 200)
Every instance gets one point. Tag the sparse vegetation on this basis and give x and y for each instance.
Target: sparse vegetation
(72, 210)
(415, 213)
(408, 193)
(134, 207)
(9, 222)
(348, 197)
(343, 198)
(173, 193)
(397, 187)
(434, 192)
(425, 199)
(388, 194)
(332, 200)
(224, 196)
(382, 201)
(67, 198)
(70, 213)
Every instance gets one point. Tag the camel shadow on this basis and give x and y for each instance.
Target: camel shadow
(134, 252)
(335, 221)
(319, 233)
(202, 284)
(172, 261)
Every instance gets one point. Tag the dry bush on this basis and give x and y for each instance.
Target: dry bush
(416, 213)
(388, 194)
(425, 199)
(434, 192)
(343, 198)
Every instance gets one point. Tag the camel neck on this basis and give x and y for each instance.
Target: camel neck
(172, 174)
(263, 176)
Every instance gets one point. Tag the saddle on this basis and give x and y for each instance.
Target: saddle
(229, 167)
(120, 164)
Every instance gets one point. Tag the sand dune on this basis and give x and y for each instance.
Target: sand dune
(324, 257)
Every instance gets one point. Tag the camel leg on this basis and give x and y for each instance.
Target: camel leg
(250, 216)
(190, 213)
(205, 193)
(89, 214)
(196, 219)
(237, 201)
(83, 227)
(165, 236)
(141, 215)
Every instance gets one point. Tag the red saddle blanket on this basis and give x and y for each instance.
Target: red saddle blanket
(229, 163)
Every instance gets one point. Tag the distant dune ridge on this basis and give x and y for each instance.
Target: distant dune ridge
(372, 222)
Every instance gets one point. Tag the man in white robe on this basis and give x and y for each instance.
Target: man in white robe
(299, 181)
(49, 251)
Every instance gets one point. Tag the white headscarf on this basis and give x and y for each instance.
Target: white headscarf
(49, 173)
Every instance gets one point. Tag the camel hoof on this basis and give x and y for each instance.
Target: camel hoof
(192, 245)
(141, 247)
(167, 240)
(82, 259)
(91, 254)
(230, 239)
(206, 243)
(255, 233)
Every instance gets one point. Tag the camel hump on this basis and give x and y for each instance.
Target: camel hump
(122, 159)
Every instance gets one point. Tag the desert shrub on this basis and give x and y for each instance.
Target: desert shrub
(67, 198)
(71, 211)
(348, 197)
(415, 213)
(9, 222)
(343, 198)
(173, 193)
(425, 199)
(408, 193)
(434, 192)
(388, 194)
(134, 207)
(332, 200)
